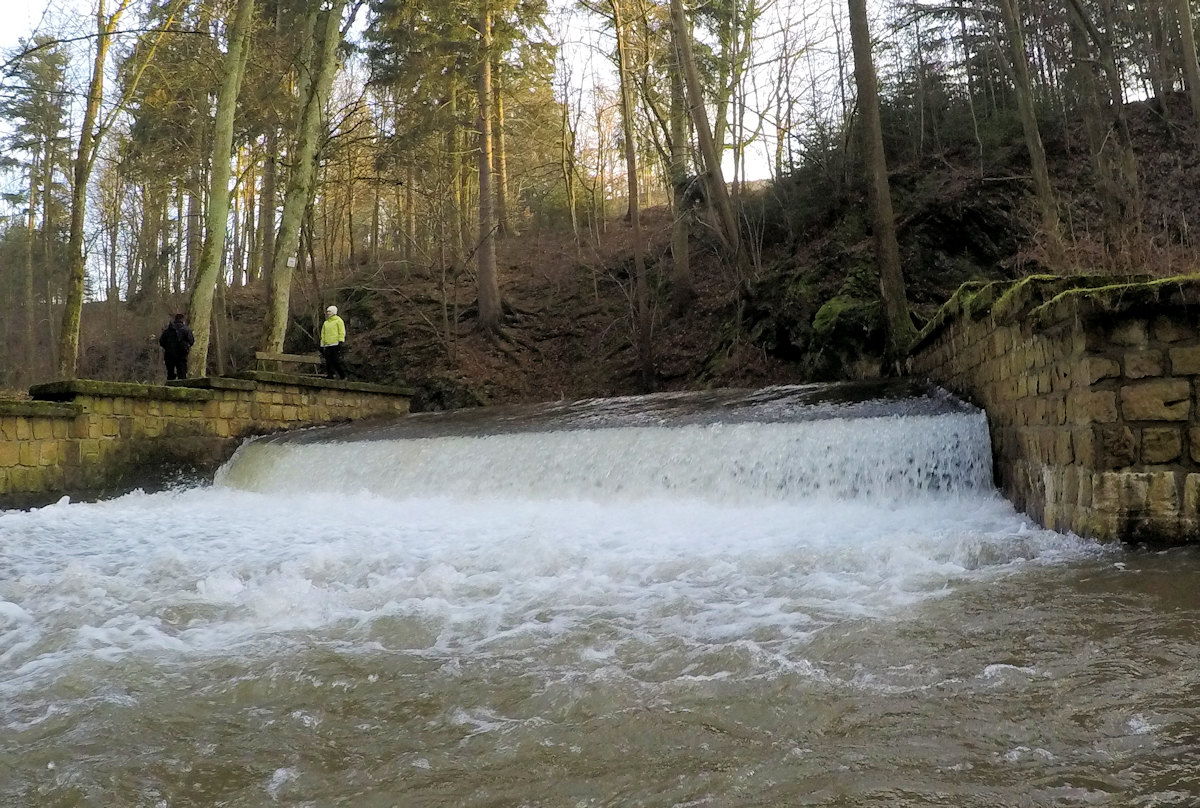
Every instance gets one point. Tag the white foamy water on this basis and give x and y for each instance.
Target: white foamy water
(215, 572)
(872, 458)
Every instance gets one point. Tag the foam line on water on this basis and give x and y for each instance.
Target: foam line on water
(874, 458)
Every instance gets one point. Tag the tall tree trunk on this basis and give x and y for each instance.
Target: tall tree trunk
(195, 227)
(68, 342)
(714, 178)
(1191, 68)
(682, 289)
(322, 67)
(566, 162)
(28, 338)
(266, 207)
(504, 227)
(488, 285)
(458, 247)
(1047, 204)
(900, 330)
(641, 286)
(200, 306)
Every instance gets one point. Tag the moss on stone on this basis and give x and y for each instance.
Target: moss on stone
(38, 409)
(843, 313)
(1045, 299)
(296, 380)
(1116, 298)
(73, 388)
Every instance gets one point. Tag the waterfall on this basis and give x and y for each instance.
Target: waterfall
(785, 444)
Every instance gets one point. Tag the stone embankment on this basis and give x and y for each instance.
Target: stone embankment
(90, 439)
(1092, 392)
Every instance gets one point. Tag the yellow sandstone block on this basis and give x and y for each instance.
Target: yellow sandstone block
(43, 429)
(48, 453)
(10, 453)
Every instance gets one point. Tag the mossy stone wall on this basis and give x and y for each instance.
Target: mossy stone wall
(89, 439)
(1092, 392)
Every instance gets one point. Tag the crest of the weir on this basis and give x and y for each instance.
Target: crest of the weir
(894, 440)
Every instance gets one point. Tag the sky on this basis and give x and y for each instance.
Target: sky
(17, 19)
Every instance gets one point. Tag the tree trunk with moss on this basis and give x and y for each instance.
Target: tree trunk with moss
(900, 330)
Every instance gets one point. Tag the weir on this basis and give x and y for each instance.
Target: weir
(872, 440)
(801, 595)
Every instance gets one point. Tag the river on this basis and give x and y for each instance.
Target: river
(792, 597)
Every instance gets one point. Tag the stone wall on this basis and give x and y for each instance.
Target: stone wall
(90, 439)
(1091, 393)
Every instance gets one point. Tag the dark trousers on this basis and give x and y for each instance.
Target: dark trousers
(176, 365)
(333, 361)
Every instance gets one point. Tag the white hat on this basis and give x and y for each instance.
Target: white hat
(331, 310)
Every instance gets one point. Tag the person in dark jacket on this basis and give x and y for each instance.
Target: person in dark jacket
(176, 340)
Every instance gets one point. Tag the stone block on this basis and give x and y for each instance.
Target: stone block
(1191, 495)
(1135, 492)
(1143, 364)
(62, 428)
(1106, 492)
(1083, 498)
(1172, 329)
(1185, 361)
(43, 429)
(1163, 498)
(8, 428)
(1063, 453)
(1194, 443)
(1092, 408)
(1118, 446)
(30, 453)
(1096, 368)
(1161, 400)
(1083, 446)
(10, 453)
(48, 453)
(24, 429)
(1130, 333)
(1161, 444)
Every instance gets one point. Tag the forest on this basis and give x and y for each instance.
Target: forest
(521, 200)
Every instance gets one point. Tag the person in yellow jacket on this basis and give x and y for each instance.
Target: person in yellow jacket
(333, 338)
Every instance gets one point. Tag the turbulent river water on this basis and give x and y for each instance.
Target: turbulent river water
(794, 597)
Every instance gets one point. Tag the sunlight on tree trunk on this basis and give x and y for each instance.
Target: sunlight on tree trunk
(200, 307)
(300, 179)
